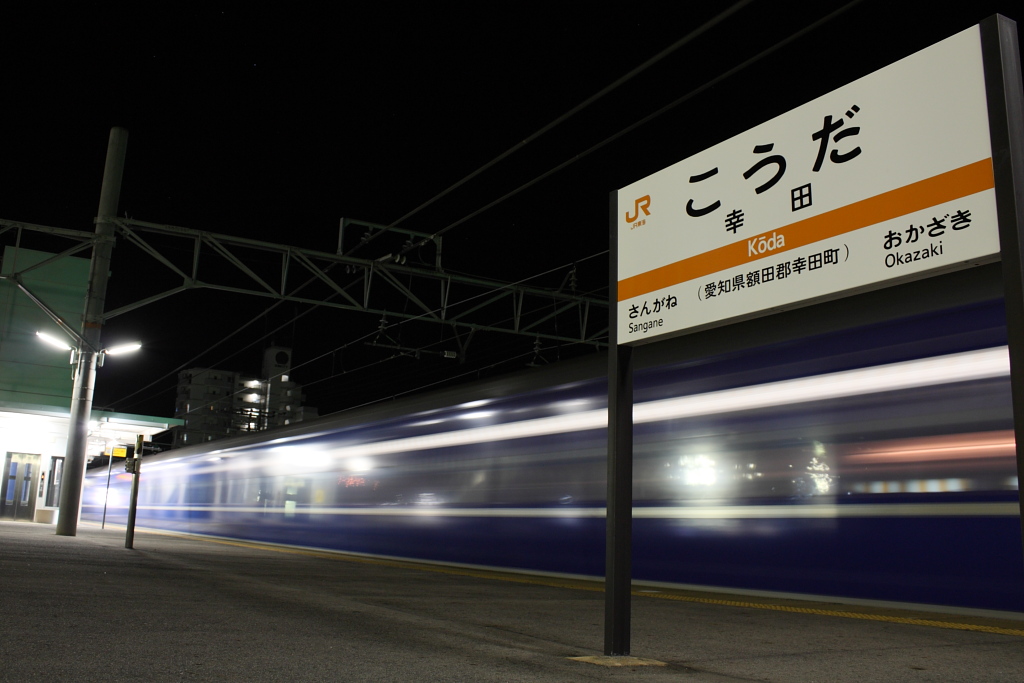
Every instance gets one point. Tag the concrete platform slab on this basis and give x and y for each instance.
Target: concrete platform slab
(180, 609)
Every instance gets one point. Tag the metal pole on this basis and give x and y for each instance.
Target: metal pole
(1001, 55)
(129, 535)
(619, 529)
(78, 433)
(106, 496)
(92, 323)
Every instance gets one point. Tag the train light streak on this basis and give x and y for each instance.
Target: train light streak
(958, 367)
(999, 444)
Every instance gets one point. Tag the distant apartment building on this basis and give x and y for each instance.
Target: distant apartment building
(215, 404)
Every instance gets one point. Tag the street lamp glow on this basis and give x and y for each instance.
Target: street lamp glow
(53, 341)
(123, 348)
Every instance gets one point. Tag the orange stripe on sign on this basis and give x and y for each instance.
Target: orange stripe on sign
(944, 187)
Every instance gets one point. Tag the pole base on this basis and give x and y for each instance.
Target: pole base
(606, 660)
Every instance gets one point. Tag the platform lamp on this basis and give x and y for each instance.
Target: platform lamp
(85, 359)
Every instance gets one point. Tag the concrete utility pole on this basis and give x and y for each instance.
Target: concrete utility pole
(88, 353)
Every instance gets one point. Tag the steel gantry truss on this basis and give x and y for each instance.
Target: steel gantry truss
(388, 286)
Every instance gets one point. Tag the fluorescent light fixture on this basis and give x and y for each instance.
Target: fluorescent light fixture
(123, 348)
(53, 341)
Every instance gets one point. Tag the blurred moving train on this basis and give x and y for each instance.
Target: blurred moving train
(866, 464)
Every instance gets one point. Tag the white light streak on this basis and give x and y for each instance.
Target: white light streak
(477, 415)
(477, 404)
(958, 367)
(359, 465)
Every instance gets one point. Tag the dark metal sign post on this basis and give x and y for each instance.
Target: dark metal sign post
(619, 530)
(1000, 59)
(133, 465)
(106, 492)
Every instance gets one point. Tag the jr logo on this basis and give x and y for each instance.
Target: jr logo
(638, 206)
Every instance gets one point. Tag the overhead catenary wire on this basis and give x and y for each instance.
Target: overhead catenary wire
(688, 38)
(452, 378)
(647, 119)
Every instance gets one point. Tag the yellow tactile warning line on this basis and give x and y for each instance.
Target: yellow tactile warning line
(839, 613)
(597, 587)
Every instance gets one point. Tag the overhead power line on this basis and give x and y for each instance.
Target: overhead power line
(647, 119)
(689, 37)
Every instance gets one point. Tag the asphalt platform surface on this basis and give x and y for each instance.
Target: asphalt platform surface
(84, 608)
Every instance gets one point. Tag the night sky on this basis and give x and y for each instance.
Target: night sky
(275, 123)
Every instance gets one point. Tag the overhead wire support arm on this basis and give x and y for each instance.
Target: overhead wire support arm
(373, 230)
(218, 247)
(431, 305)
(460, 301)
(135, 239)
(81, 235)
(150, 300)
(496, 296)
(428, 311)
(225, 242)
(584, 316)
(53, 315)
(286, 258)
(320, 275)
(56, 257)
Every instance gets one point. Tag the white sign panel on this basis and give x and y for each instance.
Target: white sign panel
(888, 177)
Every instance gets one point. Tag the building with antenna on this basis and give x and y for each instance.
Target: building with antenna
(214, 404)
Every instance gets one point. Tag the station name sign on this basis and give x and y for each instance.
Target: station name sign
(886, 179)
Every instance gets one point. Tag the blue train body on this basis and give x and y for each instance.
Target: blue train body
(876, 464)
